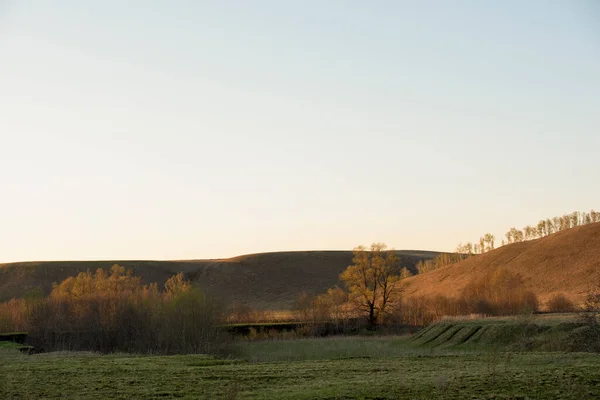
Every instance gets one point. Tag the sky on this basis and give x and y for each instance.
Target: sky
(208, 129)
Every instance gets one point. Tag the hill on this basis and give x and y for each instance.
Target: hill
(567, 262)
(265, 281)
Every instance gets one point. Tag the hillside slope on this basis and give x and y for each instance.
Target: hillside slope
(266, 281)
(567, 261)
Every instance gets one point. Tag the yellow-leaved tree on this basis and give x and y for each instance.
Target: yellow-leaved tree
(373, 281)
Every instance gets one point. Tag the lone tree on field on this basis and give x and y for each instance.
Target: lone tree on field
(373, 281)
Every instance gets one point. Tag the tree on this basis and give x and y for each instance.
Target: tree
(574, 218)
(556, 223)
(514, 235)
(372, 281)
(529, 232)
(589, 338)
(463, 250)
(469, 248)
(541, 228)
(489, 239)
(518, 235)
(176, 285)
(550, 229)
(332, 305)
(120, 282)
(565, 222)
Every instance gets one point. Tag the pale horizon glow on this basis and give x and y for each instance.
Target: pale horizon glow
(210, 129)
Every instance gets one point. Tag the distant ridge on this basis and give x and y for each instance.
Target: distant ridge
(567, 261)
(264, 280)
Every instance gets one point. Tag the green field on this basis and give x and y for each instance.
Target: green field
(330, 368)
(10, 345)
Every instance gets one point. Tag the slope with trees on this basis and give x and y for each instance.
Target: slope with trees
(487, 242)
(565, 262)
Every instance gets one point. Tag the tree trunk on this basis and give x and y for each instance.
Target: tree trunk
(372, 320)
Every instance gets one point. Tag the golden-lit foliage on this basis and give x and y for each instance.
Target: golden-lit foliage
(118, 281)
(440, 261)
(560, 303)
(333, 305)
(13, 316)
(373, 281)
(499, 292)
(113, 311)
(15, 313)
(176, 285)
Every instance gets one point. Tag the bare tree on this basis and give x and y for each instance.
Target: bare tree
(586, 218)
(489, 240)
(541, 228)
(575, 219)
(372, 281)
(529, 232)
(556, 223)
(550, 227)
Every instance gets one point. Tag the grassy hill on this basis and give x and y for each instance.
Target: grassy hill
(266, 281)
(549, 332)
(567, 261)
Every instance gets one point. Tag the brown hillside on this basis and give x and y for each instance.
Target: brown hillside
(267, 281)
(567, 261)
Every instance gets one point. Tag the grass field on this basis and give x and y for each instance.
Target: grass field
(10, 345)
(331, 368)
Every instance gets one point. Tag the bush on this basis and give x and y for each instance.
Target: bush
(559, 303)
(588, 337)
(499, 292)
(186, 323)
(110, 313)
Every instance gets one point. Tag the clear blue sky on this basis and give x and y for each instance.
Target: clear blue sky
(201, 129)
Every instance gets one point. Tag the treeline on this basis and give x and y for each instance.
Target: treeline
(372, 288)
(109, 311)
(543, 228)
(439, 261)
(549, 226)
(496, 293)
(487, 242)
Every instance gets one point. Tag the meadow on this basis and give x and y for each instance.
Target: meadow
(424, 366)
(138, 340)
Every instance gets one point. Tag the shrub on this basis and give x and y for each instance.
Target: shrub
(559, 303)
(499, 292)
(109, 313)
(587, 338)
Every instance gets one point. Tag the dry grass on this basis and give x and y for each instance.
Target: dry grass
(268, 281)
(566, 262)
